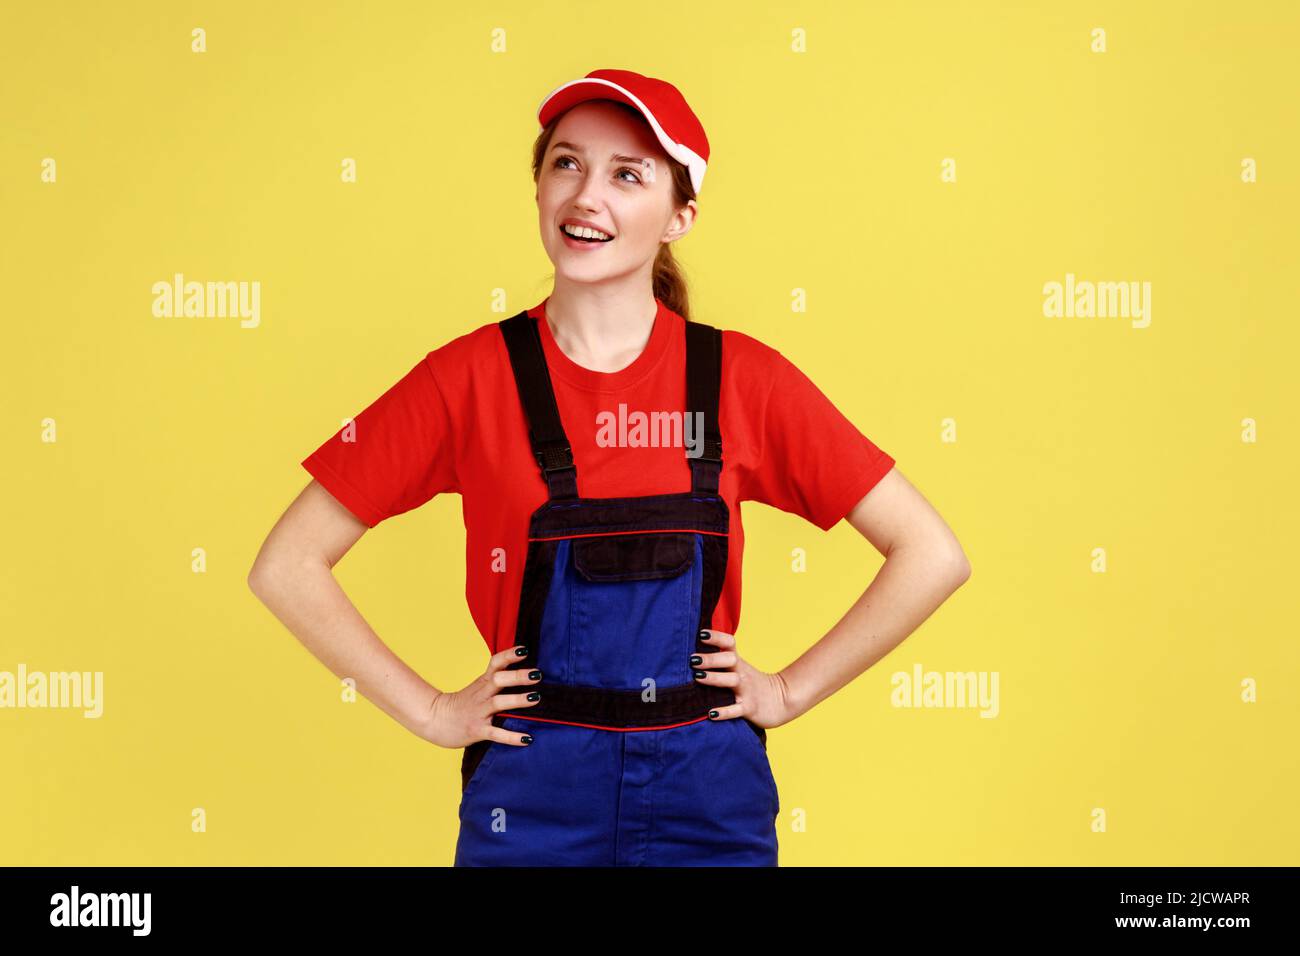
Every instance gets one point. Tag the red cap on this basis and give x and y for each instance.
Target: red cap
(678, 129)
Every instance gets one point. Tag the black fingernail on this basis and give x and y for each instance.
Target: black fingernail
(534, 675)
(704, 635)
(697, 659)
(713, 714)
(521, 651)
(534, 696)
(527, 738)
(699, 674)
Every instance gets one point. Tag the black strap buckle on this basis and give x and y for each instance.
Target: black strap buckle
(554, 457)
(712, 450)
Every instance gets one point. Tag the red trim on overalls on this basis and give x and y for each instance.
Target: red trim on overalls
(606, 534)
(570, 723)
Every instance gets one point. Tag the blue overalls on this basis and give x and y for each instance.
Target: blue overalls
(625, 767)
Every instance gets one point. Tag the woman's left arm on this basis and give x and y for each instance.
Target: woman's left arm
(924, 564)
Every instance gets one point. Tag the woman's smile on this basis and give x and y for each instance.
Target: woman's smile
(583, 237)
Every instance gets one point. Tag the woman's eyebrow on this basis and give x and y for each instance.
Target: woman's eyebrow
(615, 157)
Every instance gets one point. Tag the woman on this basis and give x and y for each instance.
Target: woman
(616, 722)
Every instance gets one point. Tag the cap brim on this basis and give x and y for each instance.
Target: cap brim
(593, 88)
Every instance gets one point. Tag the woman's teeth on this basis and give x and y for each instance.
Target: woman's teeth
(583, 232)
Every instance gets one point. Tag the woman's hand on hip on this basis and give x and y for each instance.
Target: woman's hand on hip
(761, 698)
(460, 718)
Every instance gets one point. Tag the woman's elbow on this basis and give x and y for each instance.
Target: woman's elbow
(267, 574)
(946, 560)
(940, 559)
(259, 578)
(960, 568)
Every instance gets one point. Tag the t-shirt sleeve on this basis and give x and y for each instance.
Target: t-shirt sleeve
(814, 462)
(394, 455)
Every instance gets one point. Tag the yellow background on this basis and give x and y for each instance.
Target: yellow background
(1118, 690)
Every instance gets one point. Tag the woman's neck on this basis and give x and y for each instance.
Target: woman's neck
(601, 332)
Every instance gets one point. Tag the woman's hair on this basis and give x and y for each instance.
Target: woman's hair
(668, 280)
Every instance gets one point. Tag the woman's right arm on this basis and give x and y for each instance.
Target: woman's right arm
(293, 576)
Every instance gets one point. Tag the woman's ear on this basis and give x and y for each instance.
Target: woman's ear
(682, 222)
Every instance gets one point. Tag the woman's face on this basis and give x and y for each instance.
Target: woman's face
(604, 168)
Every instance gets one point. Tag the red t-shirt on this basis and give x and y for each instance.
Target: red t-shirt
(454, 423)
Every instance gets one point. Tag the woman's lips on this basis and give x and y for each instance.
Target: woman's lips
(579, 244)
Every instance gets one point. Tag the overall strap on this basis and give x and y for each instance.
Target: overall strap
(545, 432)
(703, 382)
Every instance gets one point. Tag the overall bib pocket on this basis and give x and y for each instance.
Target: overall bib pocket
(634, 608)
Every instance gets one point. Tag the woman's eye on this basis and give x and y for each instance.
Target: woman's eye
(636, 178)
